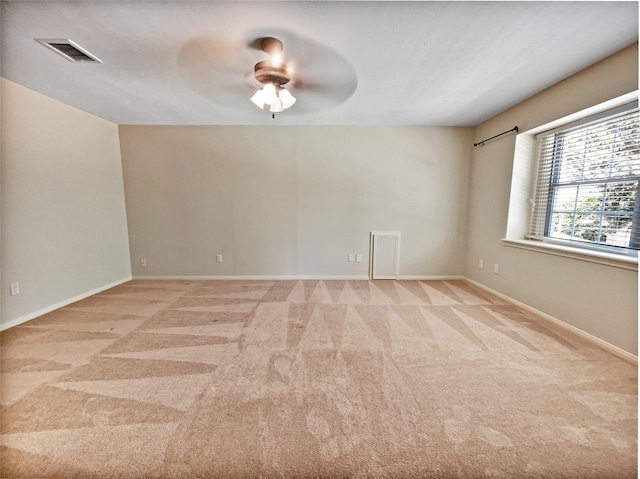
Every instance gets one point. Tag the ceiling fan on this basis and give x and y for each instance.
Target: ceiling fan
(273, 74)
(225, 71)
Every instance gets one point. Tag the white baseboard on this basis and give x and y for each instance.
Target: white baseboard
(430, 278)
(621, 353)
(254, 277)
(293, 277)
(61, 304)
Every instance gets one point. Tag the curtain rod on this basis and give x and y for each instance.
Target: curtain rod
(515, 128)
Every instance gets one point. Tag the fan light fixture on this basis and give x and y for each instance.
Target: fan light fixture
(272, 74)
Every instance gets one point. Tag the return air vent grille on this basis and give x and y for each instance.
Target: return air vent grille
(68, 49)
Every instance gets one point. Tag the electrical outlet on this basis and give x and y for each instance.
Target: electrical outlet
(218, 258)
(143, 262)
(481, 264)
(350, 258)
(496, 268)
(15, 289)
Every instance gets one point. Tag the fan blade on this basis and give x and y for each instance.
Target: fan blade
(219, 70)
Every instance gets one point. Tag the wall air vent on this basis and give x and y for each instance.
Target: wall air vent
(68, 49)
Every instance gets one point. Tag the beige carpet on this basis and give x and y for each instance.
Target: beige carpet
(186, 379)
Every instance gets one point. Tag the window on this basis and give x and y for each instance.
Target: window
(586, 192)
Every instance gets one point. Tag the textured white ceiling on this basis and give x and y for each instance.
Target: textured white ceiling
(355, 63)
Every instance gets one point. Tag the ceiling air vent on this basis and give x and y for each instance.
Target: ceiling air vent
(68, 49)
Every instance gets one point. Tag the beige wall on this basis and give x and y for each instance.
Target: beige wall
(279, 201)
(64, 229)
(598, 299)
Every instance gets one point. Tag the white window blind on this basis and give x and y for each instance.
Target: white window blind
(586, 188)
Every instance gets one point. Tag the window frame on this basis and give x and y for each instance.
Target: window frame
(524, 178)
(553, 184)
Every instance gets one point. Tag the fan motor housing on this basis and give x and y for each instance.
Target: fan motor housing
(267, 72)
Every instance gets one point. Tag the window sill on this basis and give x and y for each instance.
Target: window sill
(609, 259)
